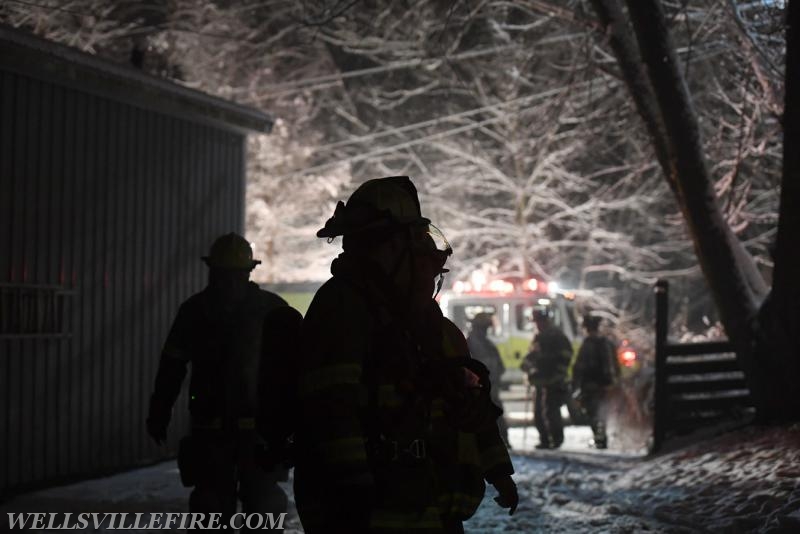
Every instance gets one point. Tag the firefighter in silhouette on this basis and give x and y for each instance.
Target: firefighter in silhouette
(483, 350)
(377, 400)
(596, 370)
(229, 333)
(546, 365)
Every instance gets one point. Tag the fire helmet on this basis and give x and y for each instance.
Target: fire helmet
(482, 320)
(231, 251)
(541, 315)
(379, 204)
(591, 322)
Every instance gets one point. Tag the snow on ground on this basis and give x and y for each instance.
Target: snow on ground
(743, 481)
(147, 490)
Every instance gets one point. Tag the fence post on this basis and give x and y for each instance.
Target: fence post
(659, 395)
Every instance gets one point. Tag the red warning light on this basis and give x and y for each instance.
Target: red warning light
(628, 357)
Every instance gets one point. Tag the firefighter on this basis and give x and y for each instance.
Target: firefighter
(482, 348)
(547, 364)
(595, 372)
(466, 446)
(370, 376)
(220, 332)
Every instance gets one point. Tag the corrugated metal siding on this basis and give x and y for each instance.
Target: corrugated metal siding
(117, 204)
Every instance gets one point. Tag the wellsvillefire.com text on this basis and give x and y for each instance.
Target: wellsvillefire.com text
(138, 521)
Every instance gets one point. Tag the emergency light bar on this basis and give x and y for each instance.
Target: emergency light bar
(500, 286)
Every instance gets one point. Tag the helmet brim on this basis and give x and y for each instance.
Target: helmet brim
(333, 229)
(207, 260)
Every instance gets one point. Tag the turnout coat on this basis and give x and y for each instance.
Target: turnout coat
(377, 448)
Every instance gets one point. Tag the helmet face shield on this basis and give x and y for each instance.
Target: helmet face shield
(428, 240)
(440, 241)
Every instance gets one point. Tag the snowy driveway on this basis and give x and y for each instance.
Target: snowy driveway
(564, 490)
(561, 491)
(746, 481)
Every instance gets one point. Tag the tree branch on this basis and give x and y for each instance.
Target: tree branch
(623, 43)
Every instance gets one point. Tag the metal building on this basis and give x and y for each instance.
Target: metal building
(112, 185)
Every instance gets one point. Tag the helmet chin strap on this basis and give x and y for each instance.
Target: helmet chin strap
(439, 284)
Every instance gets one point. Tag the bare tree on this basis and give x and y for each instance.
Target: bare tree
(508, 115)
(666, 105)
(780, 318)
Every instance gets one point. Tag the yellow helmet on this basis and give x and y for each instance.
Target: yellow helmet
(376, 204)
(231, 251)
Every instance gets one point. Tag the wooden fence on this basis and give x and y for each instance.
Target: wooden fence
(699, 386)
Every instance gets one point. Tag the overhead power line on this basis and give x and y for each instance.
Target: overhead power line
(587, 87)
(434, 136)
(393, 65)
(328, 80)
(317, 83)
(447, 118)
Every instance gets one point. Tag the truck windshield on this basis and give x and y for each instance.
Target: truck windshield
(464, 313)
(563, 317)
(525, 316)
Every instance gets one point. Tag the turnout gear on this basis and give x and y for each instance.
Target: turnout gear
(483, 350)
(394, 416)
(548, 361)
(227, 349)
(463, 384)
(363, 428)
(546, 366)
(596, 363)
(226, 469)
(508, 496)
(547, 402)
(224, 351)
(468, 455)
(277, 386)
(231, 251)
(383, 421)
(156, 426)
(596, 370)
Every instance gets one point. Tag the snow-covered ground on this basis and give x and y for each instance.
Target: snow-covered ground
(743, 481)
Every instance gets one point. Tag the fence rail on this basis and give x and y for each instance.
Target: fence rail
(698, 385)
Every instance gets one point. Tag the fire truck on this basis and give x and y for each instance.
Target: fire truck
(512, 303)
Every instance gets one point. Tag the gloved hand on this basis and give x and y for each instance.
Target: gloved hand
(508, 497)
(157, 429)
